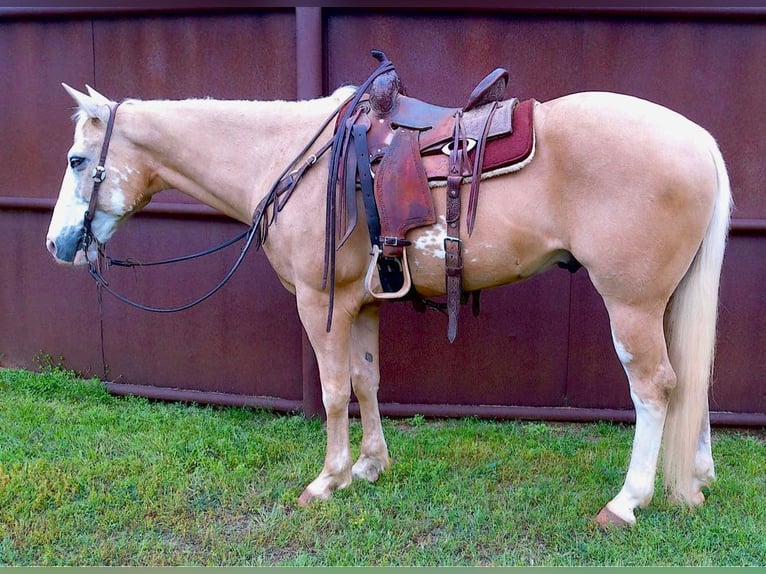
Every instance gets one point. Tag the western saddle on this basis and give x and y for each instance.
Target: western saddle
(394, 148)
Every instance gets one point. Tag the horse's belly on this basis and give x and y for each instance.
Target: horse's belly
(489, 260)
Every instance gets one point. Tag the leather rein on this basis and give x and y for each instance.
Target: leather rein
(277, 196)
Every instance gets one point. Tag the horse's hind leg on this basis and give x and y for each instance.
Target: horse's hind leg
(365, 377)
(704, 469)
(640, 344)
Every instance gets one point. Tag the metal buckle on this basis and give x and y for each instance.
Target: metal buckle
(455, 239)
(390, 241)
(99, 174)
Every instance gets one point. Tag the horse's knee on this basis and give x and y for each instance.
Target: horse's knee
(336, 400)
(366, 385)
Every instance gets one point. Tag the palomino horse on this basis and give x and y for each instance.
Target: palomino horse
(636, 193)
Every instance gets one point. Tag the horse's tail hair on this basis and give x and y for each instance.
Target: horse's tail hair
(691, 336)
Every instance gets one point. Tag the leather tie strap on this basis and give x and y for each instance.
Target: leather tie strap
(478, 161)
(452, 245)
(365, 182)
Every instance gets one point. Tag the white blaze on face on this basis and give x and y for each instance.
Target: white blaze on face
(66, 230)
(70, 208)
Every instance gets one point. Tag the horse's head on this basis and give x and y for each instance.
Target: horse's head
(125, 186)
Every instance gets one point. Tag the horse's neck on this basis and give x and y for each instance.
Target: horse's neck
(225, 154)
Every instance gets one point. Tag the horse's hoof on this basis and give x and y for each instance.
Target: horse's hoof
(307, 497)
(697, 499)
(606, 518)
(367, 472)
(368, 469)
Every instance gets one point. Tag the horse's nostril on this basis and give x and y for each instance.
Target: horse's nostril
(49, 243)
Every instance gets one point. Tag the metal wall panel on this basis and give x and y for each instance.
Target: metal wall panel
(45, 310)
(247, 339)
(595, 376)
(35, 57)
(244, 340)
(247, 55)
(708, 70)
(541, 348)
(514, 353)
(740, 384)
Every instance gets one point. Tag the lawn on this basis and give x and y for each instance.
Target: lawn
(87, 478)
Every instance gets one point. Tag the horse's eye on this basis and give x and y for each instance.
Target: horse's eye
(76, 161)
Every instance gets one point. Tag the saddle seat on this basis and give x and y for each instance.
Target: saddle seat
(436, 130)
(391, 109)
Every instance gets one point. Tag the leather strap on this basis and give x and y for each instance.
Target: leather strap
(359, 132)
(347, 173)
(478, 161)
(452, 245)
(99, 175)
(328, 272)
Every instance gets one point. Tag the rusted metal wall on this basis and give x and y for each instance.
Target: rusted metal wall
(547, 343)
(246, 341)
(539, 349)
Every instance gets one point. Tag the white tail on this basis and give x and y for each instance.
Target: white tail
(691, 337)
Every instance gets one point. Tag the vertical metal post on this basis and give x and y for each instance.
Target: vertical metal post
(308, 52)
(309, 85)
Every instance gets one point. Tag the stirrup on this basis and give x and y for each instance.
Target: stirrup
(372, 271)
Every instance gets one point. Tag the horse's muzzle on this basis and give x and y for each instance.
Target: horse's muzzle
(66, 247)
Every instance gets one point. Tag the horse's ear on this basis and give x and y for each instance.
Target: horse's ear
(97, 96)
(89, 105)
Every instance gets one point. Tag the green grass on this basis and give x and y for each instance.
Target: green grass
(87, 478)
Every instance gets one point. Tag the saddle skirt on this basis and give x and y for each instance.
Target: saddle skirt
(510, 145)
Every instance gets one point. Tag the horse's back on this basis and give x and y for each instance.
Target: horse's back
(591, 129)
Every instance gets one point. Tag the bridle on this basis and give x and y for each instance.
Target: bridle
(277, 197)
(98, 176)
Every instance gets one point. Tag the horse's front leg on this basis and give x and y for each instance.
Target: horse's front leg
(332, 353)
(365, 376)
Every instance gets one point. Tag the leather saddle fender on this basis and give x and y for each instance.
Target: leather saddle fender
(401, 192)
